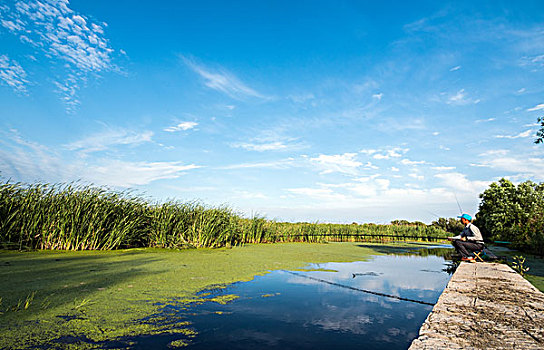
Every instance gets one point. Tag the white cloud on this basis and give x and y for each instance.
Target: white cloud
(222, 81)
(342, 163)
(392, 153)
(395, 169)
(485, 120)
(30, 162)
(181, 126)
(530, 167)
(104, 140)
(280, 164)
(68, 90)
(494, 153)
(317, 193)
(262, 147)
(378, 96)
(526, 133)
(461, 183)
(461, 98)
(127, 174)
(12, 74)
(302, 98)
(442, 168)
(368, 151)
(371, 199)
(455, 68)
(367, 186)
(369, 165)
(416, 176)
(536, 108)
(406, 161)
(269, 140)
(536, 62)
(54, 30)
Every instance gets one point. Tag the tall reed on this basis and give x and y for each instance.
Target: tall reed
(80, 217)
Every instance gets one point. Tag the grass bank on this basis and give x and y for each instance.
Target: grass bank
(57, 298)
(535, 262)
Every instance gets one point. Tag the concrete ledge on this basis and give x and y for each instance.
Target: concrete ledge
(485, 306)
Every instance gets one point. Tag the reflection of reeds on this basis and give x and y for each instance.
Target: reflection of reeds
(81, 217)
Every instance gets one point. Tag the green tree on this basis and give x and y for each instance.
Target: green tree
(540, 133)
(513, 213)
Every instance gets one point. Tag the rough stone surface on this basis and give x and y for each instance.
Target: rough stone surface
(485, 306)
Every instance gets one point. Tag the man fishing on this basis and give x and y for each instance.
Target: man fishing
(468, 241)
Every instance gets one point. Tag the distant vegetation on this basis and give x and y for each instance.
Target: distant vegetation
(451, 225)
(82, 217)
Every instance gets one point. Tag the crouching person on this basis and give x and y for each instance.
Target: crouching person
(469, 241)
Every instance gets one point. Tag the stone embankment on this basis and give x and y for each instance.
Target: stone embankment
(485, 306)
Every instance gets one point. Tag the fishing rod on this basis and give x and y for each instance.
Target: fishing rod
(459, 205)
(359, 289)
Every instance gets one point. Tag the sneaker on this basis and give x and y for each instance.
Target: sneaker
(469, 259)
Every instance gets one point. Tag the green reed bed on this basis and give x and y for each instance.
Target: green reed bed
(84, 217)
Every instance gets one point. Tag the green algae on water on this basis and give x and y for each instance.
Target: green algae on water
(100, 296)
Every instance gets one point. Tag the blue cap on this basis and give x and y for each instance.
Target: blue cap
(465, 216)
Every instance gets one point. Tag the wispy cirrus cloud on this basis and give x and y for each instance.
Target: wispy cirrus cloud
(535, 62)
(461, 98)
(103, 140)
(262, 147)
(12, 74)
(485, 120)
(126, 174)
(264, 144)
(279, 164)
(54, 30)
(222, 81)
(526, 133)
(270, 139)
(30, 161)
(183, 126)
(536, 108)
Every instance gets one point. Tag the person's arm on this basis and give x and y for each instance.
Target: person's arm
(456, 237)
(461, 236)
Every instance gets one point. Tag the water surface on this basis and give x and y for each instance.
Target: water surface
(327, 309)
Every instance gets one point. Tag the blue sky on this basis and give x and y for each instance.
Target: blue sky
(329, 111)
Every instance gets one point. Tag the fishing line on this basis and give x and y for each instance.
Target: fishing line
(430, 212)
(359, 289)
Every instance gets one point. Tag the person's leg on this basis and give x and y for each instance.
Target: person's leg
(472, 247)
(466, 248)
(460, 247)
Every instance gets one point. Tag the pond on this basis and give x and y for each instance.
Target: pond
(375, 304)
